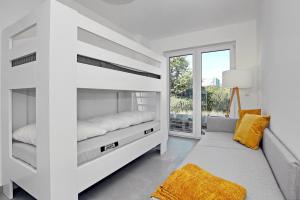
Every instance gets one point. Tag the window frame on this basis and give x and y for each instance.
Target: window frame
(196, 52)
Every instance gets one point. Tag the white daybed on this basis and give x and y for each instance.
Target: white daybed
(55, 51)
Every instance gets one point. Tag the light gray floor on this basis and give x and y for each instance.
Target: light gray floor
(137, 180)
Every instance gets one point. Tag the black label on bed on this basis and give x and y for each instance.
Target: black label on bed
(148, 131)
(109, 146)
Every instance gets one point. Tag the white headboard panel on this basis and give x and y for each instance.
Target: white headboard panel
(23, 107)
(94, 102)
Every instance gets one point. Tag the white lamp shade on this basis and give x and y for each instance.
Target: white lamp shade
(237, 78)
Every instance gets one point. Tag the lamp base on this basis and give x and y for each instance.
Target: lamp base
(237, 91)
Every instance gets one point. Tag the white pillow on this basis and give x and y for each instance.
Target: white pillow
(26, 134)
(87, 130)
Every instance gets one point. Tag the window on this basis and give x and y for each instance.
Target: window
(181, 93)
(196, 87)
(215, 99)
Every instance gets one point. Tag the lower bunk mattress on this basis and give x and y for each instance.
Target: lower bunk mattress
(93, 148)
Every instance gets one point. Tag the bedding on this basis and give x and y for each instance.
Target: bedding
(86, 129)
(95, 147)
(251, 129)
(122, 120)
(26, 134)
(91, 127)
(244, 112)
(192, 182)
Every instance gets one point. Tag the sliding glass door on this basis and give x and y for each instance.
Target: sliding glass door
(195, 87)
(215, 99)
(181, 94)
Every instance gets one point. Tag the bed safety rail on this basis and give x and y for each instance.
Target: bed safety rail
(99, 63)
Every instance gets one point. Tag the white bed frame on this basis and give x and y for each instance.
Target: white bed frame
(56, 75)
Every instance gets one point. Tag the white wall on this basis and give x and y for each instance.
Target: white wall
(11, 11)
(244, 34)
(279, 36)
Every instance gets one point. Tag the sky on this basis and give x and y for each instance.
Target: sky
(213, 63)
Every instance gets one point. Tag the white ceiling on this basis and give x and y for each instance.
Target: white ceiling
(155, 19)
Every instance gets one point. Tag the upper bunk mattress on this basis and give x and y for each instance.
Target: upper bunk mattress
(93, 148)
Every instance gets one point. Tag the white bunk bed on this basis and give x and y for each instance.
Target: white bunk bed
(49, 59)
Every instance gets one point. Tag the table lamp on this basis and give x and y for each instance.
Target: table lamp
(236, 79)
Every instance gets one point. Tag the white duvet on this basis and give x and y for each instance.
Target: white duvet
(92, 127)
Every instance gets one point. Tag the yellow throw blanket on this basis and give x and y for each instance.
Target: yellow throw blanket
(193, 183)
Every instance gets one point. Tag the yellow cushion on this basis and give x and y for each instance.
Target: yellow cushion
(251, 130)
(192, 182)
(243, 112)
